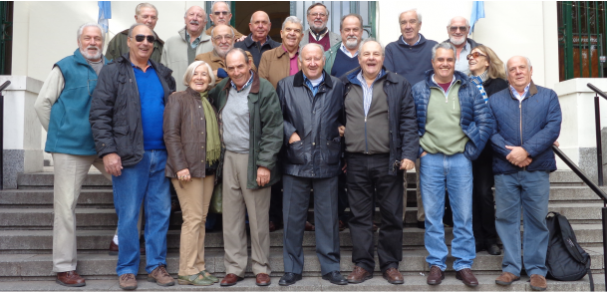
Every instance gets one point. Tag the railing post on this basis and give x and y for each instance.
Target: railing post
(604, 218)
(599, 147)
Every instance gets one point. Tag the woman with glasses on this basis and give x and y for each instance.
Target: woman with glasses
(487, 72)
(191, 136)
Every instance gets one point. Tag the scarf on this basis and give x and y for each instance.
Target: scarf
(478, 81)
(213, 142)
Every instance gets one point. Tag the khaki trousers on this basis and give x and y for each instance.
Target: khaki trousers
(194, 198)
(421, 216)
(237, 201)
(70, 172)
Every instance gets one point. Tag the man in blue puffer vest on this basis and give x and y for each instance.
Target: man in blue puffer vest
(454, 124)
(63, 109)
(528, 122)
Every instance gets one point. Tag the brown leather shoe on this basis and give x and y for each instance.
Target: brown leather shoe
(359, 275)
(538, 282)
(309, 226)
(113, 250)
(435, 276)
(70, 279)
(127, 282)
(393, 276)
(230, 279)
(161, 277)
(262, 279)
(467, 277)
(506, 278)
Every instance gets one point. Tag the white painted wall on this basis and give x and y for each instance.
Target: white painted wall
(510, 28)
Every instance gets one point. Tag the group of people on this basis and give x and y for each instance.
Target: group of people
(319, 110)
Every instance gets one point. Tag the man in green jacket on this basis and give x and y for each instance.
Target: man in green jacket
(251, 128)
(145, 13)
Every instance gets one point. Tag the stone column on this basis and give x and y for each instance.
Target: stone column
(22, 130)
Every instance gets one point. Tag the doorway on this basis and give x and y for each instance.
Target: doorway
(277, 10)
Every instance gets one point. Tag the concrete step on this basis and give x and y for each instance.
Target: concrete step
(42, 218)
(42, 198)
(45, 180)
(41, 241)
(102, 265)
(413, 282)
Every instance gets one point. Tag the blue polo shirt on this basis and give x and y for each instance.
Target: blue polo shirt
(151, 97)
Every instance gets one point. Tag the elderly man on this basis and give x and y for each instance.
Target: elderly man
(312, 105)
(252, 125)
(221, 14)
(223, 41)
(458, 29)
(343, 56)
(258, 41)
(454, 125)
(145, 13)
(318, 16)
(180, 50)
(377, 99)
(521, 164)
(281, 62)
(62, 107)
(126, 119)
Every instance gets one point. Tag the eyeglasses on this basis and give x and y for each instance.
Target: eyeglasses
(455, 28)
(220, 13)
(139, 38)
(475, 55)
(318, 15)
(220, 37)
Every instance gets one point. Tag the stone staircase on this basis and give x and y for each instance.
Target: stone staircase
(26, 218)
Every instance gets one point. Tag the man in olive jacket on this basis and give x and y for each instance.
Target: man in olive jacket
(251, 128)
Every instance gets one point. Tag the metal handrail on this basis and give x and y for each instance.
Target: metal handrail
(2, 87)
(597, 123)
(579, 173)
(597, 90)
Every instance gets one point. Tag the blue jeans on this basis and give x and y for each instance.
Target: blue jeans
(143, 183)
(453, 172)
(531, 191)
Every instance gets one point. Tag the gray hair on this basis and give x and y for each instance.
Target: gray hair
(419, 15)
(204, 18)
(292, 19)
(189, 73)
(444, 45)
(529, 66)
(360, 47)
(317, 4)
(136, 25)
(322, 49)
(91, 24)
(145, 5)
(450, 20)
(213, 29)
(233, 50)
(360, 19)
(216, 2)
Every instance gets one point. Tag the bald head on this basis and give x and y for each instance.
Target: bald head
(195, 20)
(260, 26)
(519, 72)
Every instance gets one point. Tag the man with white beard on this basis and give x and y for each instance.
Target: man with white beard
(63, 107)
(318, 17)
(343, 56)
(458, 29)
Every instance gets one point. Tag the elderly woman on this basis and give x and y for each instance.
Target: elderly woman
(487, 72)
(191, 135)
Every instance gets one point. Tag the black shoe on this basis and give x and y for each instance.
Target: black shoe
(335, 277)
(494, 249)
(421, 224)
(289, 279)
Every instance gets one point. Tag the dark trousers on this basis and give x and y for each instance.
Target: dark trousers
(342, 198)
(295, 209)
(368, 178)
(276, 204)
(483, 207)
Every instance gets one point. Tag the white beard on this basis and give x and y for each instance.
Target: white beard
(87, 56)
(457, 42)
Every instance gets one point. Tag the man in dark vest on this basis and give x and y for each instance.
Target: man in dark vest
(318, 17)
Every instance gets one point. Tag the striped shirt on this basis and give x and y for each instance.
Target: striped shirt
(368, 90)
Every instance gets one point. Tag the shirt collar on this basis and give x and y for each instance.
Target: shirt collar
(452, 81)
(245, 85)
(361, 78)
(419, 39)
(196, 41)
(308, 81)
(148, 65)
(345, 51)
(319, 35)
(285, 49)
(517, 95)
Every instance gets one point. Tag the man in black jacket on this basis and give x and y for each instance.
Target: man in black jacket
(258, 41)
(381, 140)
(126, 120)
(312, 107)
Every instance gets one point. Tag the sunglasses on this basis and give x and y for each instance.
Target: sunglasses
(475, 55)
(455, 28)
(220, 13)
(139, 38)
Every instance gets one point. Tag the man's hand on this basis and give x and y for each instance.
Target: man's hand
(525, 162)
(407, 164)
(345, 167)
(342, 130)
(113, 164)
(517, 154)
(294, 138)
(263, 176)
(556, 143)
(423, 154)
(184, 175)
(241, 38)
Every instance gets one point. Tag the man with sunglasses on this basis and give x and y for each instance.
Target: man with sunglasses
(458, 29)
(145, 13)
(126, 119)
(319, 33)
(180, 51)
(221, 14)
(62, 107)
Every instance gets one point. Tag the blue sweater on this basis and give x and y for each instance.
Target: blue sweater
(151, 97)
(343, 64)
(410, 61)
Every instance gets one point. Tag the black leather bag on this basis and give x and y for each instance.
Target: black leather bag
(565, 259)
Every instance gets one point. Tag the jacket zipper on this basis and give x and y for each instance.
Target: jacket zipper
(366, 144)
(520, 109)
